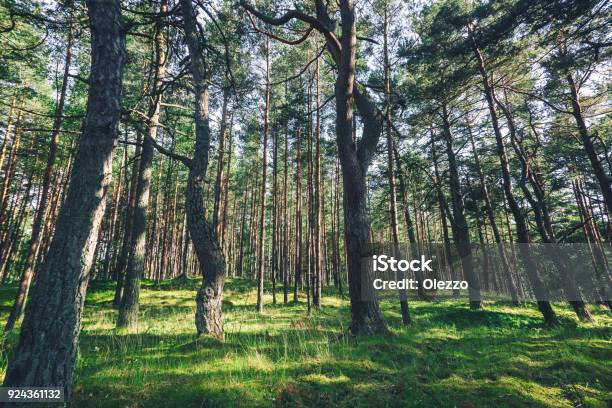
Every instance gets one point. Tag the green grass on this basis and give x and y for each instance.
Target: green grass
(450, 357)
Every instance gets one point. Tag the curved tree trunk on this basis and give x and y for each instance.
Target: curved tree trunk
(365, 312)
(587, 142)
(212, 261)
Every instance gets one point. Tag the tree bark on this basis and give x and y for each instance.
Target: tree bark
(460, 226)
(390, 163)
(128, 310)
(521, 225)
(262, 201)
(600, 174)
(208, 317)
(47, 348)
(220, 165)
(507, 270)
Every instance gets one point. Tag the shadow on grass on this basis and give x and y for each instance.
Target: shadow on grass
(491, 360)
(450, 357)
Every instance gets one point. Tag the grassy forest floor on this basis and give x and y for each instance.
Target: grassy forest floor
(449, 357)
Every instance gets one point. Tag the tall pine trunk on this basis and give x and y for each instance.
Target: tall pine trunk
(208, 317)
(128, 310)
(47, 348)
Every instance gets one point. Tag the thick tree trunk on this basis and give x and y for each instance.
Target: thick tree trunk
(365, 312)
(212, 261)
(47, 348)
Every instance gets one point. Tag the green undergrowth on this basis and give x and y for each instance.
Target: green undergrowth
(450, 356)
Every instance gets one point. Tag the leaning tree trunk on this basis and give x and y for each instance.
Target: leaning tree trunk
(587, 142)
(47, 348)
(522, 231)
(448, 256)
(507, 270)
(37, 224)
(212, 261)
(543, 223)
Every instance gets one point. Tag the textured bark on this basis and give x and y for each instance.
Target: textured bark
(365, 312)
(285, 249)
(318, 230)
(414, 253)
(220, 166)
(595, 245)
(120, 266)
(12, 237)
(7, 131)
(298, 218)
(226, 194)
(10, 165)
(275, 224)
(128, 310)
(114, 224)
(443, 215)
(47, 348)
(208, 317)
(355, 157)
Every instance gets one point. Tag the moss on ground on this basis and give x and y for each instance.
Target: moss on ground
(451, 356)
